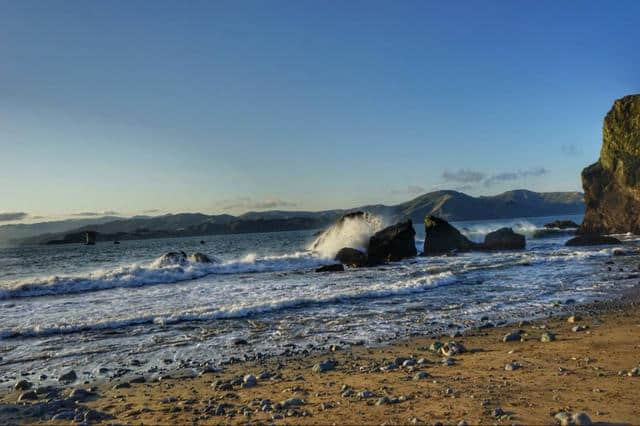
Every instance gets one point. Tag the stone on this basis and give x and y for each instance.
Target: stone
(504, 239)
(291, 402)
(28, 396)
(581, 419)
(200, 258)
(323, 366)
(69, 376)
(562, 224)
(612, 184)
(23, 385)
(383, 401)
(79, 394)
(574, 318)
(64, 415)
(592, 240)
(563, 418)
(249, 381)
(172, 258)
(421, 375)
(547, 337)
(512, 366)
(442, 238)
(366, 394)
(393, 243)
(578, 328)
(452, 348)
(336, 267)
(351, 257)
(514, 336)
(435, 346)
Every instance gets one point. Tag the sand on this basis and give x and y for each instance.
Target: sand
(583, 371)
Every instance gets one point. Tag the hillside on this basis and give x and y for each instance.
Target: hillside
(450, 205)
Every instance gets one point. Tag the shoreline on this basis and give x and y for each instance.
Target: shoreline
(580, 371)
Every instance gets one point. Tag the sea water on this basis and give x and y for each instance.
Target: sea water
(95, 308)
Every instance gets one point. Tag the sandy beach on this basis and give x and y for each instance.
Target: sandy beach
(588, 368)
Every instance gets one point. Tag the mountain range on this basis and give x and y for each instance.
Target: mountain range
(449, 205)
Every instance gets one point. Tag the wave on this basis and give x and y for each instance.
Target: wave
(241, 310)
(152, 273)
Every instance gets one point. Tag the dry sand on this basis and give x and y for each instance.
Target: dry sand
(579, 371)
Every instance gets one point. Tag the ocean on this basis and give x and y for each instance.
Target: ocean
(96, 308)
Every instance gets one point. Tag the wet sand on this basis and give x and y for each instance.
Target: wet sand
(581, 371)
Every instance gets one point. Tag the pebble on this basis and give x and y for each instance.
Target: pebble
(435, 346)
(323, 366)
(452, 348)
(448, 362)
(574, 318)
(122, 385)
(69, 376)
(635, 372)
(512, 366)
(28, 396)
(291, 402)
(578, 328)
(563, 418)
(421, 376)
(409, 362)
(23, 385)
(514, 336)
(365, 394)
(383, 401)
(547, 337)
(581, 419)
(498, 412)
(249, 381)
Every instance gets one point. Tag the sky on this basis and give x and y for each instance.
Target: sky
(139, 107)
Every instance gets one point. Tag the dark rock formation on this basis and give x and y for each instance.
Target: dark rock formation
(336, 267)
(351, 257)
(393, 243)
(442, 238)
(612, 184)
(503, 239)
(173, 258)
(200, 258)
(561, 224)
(592, 240)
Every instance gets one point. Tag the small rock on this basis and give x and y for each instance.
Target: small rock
(249, 381)
(409, 362)
(581, 419)
(574, 318)
(64, 415)
(383, 401)
(323, 366)
(122, 385)
(514, 336)
(498, 412)
(69, 376)
(435, 346)
(635, 372)
(452, 348)
(512, 366)
(422, 375)
(291, 402)
(547, 337)
(578, 328)
(28, 396)
(448, 362)
(365, 394)
(23, 385)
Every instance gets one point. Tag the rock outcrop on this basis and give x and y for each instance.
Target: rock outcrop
(393, 243)
(351, 257)
(561, 224)
(504, 239)
(612, 184)
(442, 238)
(592, 240)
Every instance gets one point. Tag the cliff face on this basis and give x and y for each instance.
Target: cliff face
(612, 184)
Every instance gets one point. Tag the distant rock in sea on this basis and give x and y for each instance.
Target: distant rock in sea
(612, 184)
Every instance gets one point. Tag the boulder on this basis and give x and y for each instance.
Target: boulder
(612, 184)
(336, 267)
(503, 239)
(172, 258)
(561, 224)
(351, 257)
(200, 258)
(393, 243)
(442, 238)
(592, 240)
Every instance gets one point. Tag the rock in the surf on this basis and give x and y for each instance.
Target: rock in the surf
(200, 258)
(351, 257)
(393, 243)
(561, 224)
(336, 267)
(504, 239)
(172, 258)
(442, 238)
(592, 240)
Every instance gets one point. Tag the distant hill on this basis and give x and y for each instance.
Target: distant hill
(449, 205)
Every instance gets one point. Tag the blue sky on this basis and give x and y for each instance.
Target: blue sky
(220, 107)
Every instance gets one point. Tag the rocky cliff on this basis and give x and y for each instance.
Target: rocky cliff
(612, 184)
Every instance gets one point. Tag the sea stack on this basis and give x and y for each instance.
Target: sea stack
(612, 184)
